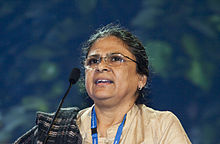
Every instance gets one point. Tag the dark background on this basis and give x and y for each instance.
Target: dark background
(40, 42)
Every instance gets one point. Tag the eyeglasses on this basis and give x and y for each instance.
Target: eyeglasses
(113, 59)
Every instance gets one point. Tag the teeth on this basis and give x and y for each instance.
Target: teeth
(103, 81)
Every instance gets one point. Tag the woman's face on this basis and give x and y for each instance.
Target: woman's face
(110, 85)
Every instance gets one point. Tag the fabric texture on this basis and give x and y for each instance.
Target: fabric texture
(64, 130)
(143, 125)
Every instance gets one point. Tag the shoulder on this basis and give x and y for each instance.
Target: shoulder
(65, 118)
(160, 119)
(65, 123)
(165, 124)
(64, 113)
(153, 114)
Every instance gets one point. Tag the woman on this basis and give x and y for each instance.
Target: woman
(116, 73)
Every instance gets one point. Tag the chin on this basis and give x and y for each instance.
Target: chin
(101, 96)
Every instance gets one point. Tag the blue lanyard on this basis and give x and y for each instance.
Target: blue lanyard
(94, 129)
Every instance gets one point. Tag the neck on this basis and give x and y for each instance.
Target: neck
(109, 116)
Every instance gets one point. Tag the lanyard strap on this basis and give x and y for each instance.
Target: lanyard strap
(94, 129)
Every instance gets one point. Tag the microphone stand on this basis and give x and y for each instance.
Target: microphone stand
(58, 109)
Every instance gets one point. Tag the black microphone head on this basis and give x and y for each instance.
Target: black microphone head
(74, 75)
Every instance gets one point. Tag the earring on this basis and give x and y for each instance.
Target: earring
(139, 88)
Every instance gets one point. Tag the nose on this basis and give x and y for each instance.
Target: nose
(103, 65)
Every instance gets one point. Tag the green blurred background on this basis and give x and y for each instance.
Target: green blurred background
(40, 42)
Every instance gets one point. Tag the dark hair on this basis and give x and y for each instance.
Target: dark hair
(135, 47)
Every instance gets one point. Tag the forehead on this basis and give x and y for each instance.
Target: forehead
(110, 44)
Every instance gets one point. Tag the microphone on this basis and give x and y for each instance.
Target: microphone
(74, 75)
(73, 78)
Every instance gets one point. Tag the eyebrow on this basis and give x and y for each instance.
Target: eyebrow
(98, 55)
(117, 53)
(95, 55)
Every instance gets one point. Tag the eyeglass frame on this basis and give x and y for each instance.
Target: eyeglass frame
(105, 59)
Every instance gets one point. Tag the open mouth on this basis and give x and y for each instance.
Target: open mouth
(103, 81)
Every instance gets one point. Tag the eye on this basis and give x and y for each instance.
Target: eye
(92, 61)
(116, 58)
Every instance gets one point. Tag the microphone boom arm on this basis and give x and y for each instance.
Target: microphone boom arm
(74, 76)
(57, 111)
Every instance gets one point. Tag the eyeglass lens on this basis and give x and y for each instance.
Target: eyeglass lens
(112, 60)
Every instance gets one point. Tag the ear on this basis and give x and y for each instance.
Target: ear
(142, 81)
